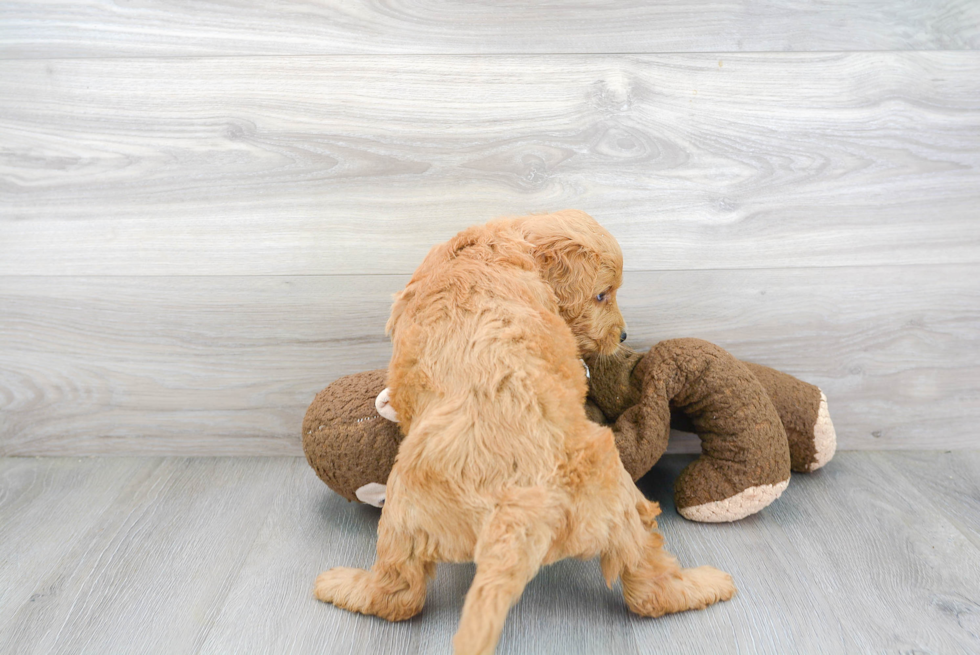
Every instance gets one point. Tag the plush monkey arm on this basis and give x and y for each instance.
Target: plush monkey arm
(641, 429)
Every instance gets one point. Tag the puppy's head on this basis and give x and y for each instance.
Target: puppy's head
(584, 265)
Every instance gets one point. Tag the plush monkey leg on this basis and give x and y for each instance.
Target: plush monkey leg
(803, 410)
(744, 463)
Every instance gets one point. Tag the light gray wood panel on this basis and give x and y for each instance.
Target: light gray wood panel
(951, 480)
(895, 349)
(310, 529)
(326, 165)
(777, 608)
(66, 29)
(46, 507)
(179, 365)
(157, 567)
(851, 559)
(228, 365)
(307, 530)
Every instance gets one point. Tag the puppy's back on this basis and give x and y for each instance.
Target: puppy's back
(484, 370)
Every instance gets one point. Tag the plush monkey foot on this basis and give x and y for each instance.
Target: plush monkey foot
(745, 456)
(813, 442)
(736, 507)
(824, 437)
(817, 442)
(803, 410)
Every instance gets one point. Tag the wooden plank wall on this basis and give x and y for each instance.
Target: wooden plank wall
(204, 209)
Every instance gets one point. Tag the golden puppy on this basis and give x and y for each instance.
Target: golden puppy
(500, 464)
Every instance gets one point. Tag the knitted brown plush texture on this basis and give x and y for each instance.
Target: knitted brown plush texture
(755, 424)
(345, 440)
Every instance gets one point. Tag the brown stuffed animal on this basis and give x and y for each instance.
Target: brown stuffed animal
(755, 425)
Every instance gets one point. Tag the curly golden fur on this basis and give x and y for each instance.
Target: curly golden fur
(499, 464)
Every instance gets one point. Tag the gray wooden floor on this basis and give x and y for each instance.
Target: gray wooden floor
(879, 552)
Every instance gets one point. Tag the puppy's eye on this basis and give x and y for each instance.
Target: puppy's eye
(601, 296)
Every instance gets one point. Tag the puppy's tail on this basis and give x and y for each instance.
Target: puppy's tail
(510, 549)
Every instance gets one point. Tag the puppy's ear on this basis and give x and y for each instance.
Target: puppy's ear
(437, 255)
(401, 300)
(567, 247)
(570, 269)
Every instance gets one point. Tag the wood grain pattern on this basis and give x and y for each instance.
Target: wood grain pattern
(102, 28)
(304, 532)
(218, 365)
(949, 479)
(157, 566)
(204, 210)
(228, 365)
(219, 555)
(894, 348)
(328, 165)
(47, 507)
(850, 559)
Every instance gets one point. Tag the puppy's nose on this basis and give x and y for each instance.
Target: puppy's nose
(622, 336)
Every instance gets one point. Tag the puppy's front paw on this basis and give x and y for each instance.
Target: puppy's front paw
(336, 585)
(358, 590)
(710, 585)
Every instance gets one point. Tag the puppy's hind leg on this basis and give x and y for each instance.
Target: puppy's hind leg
(654, 584)
(393, 589)
(509, 551)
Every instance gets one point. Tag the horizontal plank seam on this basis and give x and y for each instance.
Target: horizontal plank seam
(78, 276)
(482, 55)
